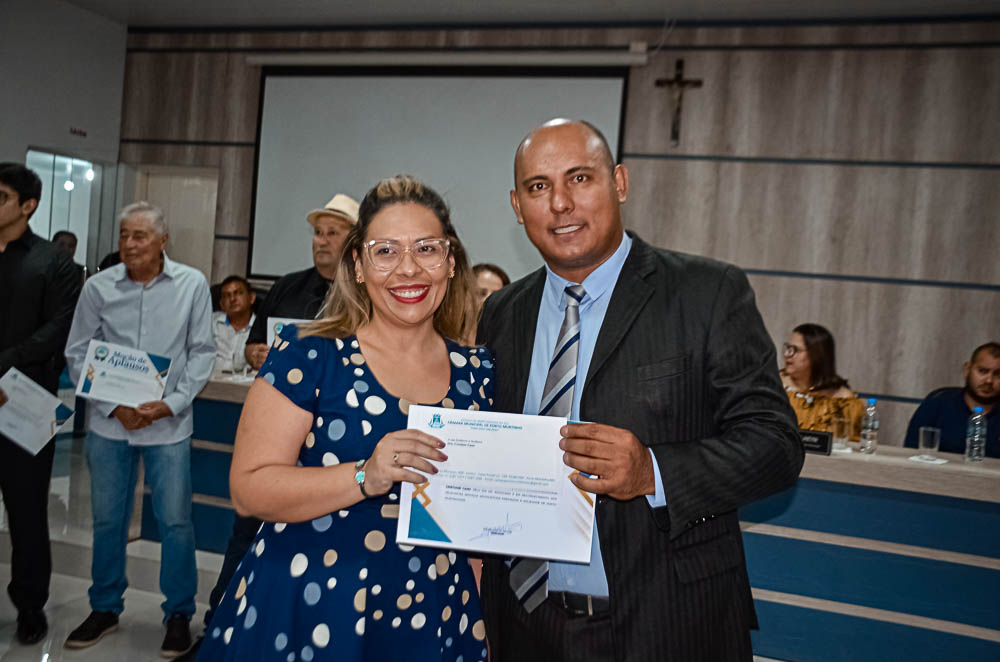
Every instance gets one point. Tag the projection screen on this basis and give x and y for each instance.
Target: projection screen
(326, 133)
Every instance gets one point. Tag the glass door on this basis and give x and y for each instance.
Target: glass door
(71, 199)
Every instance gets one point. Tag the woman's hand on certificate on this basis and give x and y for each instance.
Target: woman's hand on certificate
(397, 455)
(620, 465)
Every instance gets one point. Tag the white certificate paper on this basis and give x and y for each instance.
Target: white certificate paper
(31, 415)
(503, 489)
(276, 324)
(122, 375)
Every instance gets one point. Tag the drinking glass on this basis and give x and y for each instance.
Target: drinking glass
(841, 431)
(930, 440)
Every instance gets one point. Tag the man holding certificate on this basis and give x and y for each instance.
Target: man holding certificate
(667, 359)
(38, 289)
(152, 317)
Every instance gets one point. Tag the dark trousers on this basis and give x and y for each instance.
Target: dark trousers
(24, 481)
(547, 634)
(244, 531)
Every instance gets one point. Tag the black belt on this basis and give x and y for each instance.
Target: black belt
(579, 604)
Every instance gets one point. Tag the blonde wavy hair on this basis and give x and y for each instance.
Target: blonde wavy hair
(348, 306)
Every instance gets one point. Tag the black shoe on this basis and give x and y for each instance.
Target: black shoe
(31, 626)
(192, 652)
(178, 639)
(98, 624)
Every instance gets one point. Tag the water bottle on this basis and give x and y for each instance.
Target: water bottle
(975, 436)
(869, 429)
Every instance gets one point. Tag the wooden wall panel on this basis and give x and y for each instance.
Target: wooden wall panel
(872, 104)
(190, 96)
(772, 96)
(898, 340)
(582, 37)
(235, 167)
(230, 259)
(916, 223)
(236, 170)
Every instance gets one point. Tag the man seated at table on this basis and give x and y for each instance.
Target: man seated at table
(300, 295)
(949, 408)
(232, 324)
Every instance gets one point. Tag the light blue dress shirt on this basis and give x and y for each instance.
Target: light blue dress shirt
(599, 285)
(171, 316)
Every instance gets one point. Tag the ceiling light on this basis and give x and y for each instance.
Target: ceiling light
(89, 174)
(68, 185)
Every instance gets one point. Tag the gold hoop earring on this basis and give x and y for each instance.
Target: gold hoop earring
(359, 279)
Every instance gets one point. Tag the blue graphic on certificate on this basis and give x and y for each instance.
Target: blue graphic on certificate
(31, 415)
(122, 375)
(504, 488)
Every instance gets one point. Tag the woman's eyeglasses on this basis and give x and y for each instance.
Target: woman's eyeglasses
(385, 255)
(790, 350)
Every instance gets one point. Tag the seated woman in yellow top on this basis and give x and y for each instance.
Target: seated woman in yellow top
(815, 390)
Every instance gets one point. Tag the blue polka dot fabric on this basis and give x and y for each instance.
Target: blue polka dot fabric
(338, 587)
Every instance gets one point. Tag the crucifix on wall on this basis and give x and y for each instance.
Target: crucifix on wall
(677, 85)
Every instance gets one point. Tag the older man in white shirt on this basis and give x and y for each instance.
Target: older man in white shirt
(154, 304)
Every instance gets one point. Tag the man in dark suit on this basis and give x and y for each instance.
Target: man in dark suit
(687, 422)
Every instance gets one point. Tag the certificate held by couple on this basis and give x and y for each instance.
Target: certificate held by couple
(122, 375)
(504, 488)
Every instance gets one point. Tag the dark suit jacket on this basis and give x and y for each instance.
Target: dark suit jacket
(684, 362)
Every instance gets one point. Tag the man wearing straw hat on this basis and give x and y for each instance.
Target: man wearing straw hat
(300, 295)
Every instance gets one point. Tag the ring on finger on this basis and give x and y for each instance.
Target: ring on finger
(395, 459)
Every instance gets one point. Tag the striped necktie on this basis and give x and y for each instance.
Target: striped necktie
(529, 578)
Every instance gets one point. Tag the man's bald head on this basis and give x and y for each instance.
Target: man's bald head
(596, 140)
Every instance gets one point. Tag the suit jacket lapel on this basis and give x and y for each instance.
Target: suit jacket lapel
(628, 298)
(524, 320)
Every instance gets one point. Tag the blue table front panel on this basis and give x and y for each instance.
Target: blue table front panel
(935, 589)
(808, 635)
(924, 520)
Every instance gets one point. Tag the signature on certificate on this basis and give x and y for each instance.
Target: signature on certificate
(504, 529)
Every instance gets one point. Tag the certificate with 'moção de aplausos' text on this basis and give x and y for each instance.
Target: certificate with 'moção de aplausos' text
(122, 375)
(504, 488)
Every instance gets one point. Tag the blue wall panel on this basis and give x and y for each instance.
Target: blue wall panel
(210, 472)
(807, 635)
(215, 420)
(949, 591)
(958, 525)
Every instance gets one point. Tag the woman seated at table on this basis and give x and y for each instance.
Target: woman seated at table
(815, 390)
(322, 447)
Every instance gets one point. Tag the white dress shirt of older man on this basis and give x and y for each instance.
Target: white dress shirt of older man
(152, 303)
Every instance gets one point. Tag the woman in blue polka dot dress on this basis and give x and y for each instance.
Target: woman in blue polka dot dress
(322, 447)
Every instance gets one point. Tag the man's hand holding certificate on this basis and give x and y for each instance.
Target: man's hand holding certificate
(122, 375)
(504, 488)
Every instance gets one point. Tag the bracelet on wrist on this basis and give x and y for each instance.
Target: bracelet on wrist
(359, 477)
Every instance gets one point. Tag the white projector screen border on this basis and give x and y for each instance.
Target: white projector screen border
(463, 153)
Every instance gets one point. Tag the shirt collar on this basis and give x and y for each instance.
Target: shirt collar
(225, 318)
(600, 281)
(26, 239)
(169, 270)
